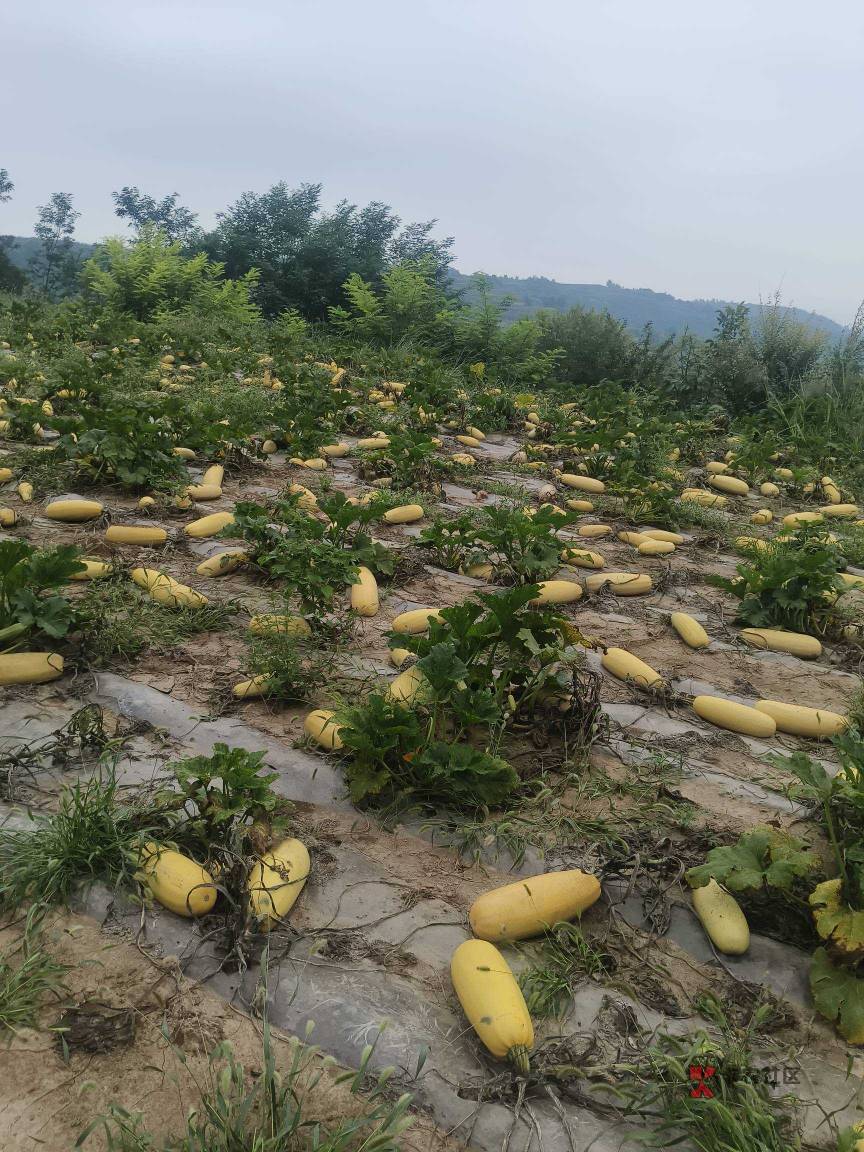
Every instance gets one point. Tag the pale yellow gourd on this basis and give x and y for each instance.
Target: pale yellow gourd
(763, 516)
(734, 717)
(777, 640)
(661, 534)
(405, 514)
(730, 484)
(416, 621)
(320, 726)
(30, 667)
(621, 583)
(625, 666)
(655, 548)
(204, 491)
(222, 563)
(558, 592)
(209, 525)
(769, 489)
(582, 558)
(533, 905)
(408, 687)
(176, 882)
(690, 630)
(269, 623)
(364, 594)
(276, 881)
(135, 534)
(250, 689)
(493, 1001)
(796, 519)
(722, 918)
(582, 483)
(594, 531)
(798, 720)
(74, 511)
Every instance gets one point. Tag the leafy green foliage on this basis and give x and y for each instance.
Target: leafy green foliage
(762, 858)
(27, 975)
(26, 574)
(793, 583)
(566, 959)
(839, 995)
(523, 548)
(453, 543)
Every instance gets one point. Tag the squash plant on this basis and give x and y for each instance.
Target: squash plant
(26, 575)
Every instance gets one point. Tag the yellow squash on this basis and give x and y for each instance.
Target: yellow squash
(74, 511)
(722, 918)
(655, 548)
(798, 720)
(320, 726)
(531, 906)
(558, 592)
(690, 630)
(270, 622)
(416, 621)
(276, 881)
(730, 484)
(30, 667)
(408, 686)
(133, 534)
(777, 640)
(625, 666)
(178, 883)
(93, 569)
(734, 717)
(582, 483)
(405, 514)
(493, 1001)
(251, 689)
(209, 525)
(222, 563)
(364, 594)
(582, 558)
(662, 534)
(621, 583)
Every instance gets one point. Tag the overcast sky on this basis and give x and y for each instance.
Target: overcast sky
(704, 149)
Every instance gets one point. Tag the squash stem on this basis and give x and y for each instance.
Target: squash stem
(519, 1058)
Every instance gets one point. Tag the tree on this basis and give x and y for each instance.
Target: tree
(154, 275)
(177, 222)
(305, 255)
(12, 279)
(55, 268)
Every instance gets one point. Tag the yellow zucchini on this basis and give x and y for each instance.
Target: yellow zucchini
(408, 686)
(796, 720)
(333, 451)
(204, 491)
(364, 594)
(784, 473)
(769, 489)
(398, 656)
(320, 726)
(5, 474)
(763, 516)
(214, 476)
(147, 502)
(721, 917)
(475, 432)
(184, 453)
(734, 717)
(371, 442)
(582, 483)
(690, 630)
(777, 640)
(655, 548)
(8, 517)
(270, 622)
(634, 539)
(25, 492)
(582, 558)
(249, 689)
(796, 519)
(621, 583)
(416, 621)
(178, 883)
(661, 534)
(464, 459)
(832, 492)
(468, 441)
(716, 467)
(74, 511)
(134, 534)
(315, 463)
(307, 500)
(222, 563)
(730, 484)
(533, 905)
(93, 569)
(480, 571)
(269, 447)
(558, 592)
(209, 525)
(704, 499)
(276, 880)
(170, 594)
(579, 505)
(30, 667)
(492, 1001)
(594, 531)
(625, 666)
(840, 511)
(406, 514)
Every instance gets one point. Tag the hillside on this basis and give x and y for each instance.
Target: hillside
(635, 306)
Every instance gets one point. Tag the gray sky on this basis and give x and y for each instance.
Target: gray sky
(704, 149)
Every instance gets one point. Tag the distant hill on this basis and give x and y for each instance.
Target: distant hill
(24, 248)
(635, 306)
